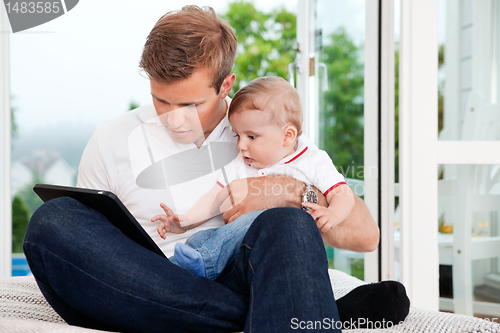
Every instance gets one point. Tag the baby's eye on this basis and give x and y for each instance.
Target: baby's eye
(236, 136)
(252, 137)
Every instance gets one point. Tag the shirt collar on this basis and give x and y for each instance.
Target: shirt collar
(221, 127)
(147, 114)
(299, 151)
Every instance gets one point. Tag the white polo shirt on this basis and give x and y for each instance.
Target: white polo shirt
(131, 156)
(308, 164)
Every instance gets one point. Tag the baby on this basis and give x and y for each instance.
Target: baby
(266, 117)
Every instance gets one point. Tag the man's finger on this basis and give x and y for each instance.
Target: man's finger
(228, 214)
(235, 216)
(226, 205)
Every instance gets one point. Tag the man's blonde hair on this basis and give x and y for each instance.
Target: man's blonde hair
(186, 40)
(273, 95)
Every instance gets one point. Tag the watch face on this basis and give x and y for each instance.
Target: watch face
(311, 197)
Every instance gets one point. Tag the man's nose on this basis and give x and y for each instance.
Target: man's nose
(175, 118)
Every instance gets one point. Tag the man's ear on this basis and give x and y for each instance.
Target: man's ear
(226, 85)
(290, 135)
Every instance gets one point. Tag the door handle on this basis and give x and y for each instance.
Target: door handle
(291, 72)
(325, 75)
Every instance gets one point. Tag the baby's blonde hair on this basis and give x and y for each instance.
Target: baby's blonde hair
(275, 96)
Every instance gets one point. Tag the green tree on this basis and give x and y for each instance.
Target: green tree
(20, 219)
(341, 108)
(29, 196)
(441, 90)
(265, 41)
(13, 124)
(133, 105)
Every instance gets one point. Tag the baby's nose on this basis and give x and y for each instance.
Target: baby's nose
(241, 145)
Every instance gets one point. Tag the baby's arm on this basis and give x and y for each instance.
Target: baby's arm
(180, 223)
(340, 203)
(201, 210)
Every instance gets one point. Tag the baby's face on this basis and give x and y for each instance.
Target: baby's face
(261, 144)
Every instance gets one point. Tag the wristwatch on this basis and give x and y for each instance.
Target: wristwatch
(309, 196)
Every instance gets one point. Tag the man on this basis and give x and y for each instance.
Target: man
(95, 277)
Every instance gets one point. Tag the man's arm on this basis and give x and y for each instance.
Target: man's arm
(91, 172)
(357, 233)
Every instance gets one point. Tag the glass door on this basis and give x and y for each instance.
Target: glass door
(469, 169)
(338, 88)
(337, 68)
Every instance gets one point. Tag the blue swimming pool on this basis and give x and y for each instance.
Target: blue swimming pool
(20, 265)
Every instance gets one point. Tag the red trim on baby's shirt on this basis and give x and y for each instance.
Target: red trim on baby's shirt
(334, 186)
(219, 183)
(297, 156)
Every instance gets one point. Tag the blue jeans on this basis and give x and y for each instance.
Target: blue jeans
(219, 246)
(96, 277)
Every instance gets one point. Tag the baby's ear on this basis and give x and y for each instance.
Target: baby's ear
(290, 135)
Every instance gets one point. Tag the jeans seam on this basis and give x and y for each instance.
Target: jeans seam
(243, 244)
(251, 309)
(251, 287)
(118, 290)
(207, 257)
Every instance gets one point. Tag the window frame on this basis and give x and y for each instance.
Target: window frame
(5, 151)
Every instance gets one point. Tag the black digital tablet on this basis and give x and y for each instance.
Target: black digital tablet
(106, 203)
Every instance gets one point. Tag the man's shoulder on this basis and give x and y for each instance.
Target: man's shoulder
(130, 119)
(118, 129)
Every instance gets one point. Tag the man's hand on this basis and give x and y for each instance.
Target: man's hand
(258, 193)
(324, 217)
(170, 222)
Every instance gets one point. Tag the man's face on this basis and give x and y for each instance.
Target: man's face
(261, 144)
(190, 109)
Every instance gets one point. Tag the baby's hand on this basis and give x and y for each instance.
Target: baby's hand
(324, 217)
(170, 222)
